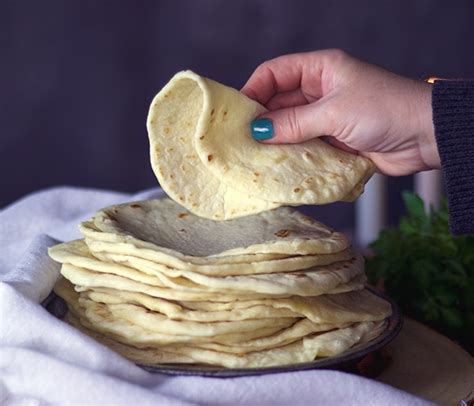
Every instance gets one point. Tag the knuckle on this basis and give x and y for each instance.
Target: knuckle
(264, 73)
(264, 66)
(337, 54)
(294, 131)
(260, 71)
(332, 116)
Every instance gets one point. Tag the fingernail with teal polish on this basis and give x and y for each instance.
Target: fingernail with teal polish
(262, 129)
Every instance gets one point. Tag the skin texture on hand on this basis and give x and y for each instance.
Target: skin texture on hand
(361, 107)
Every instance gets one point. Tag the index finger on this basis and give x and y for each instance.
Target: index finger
(284, 74)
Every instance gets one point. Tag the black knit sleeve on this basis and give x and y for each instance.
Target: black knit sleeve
(453, 117)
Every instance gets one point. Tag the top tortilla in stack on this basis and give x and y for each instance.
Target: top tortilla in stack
(164, 232)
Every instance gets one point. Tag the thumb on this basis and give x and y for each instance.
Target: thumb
(292, 125)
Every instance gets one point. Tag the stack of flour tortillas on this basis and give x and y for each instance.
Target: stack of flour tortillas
(158, 284)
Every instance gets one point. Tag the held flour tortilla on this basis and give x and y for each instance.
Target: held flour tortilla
(171, 128)
(205, 159)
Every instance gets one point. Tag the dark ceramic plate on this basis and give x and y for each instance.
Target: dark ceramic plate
(346, 361)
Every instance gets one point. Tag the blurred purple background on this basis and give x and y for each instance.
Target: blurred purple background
(77, 76)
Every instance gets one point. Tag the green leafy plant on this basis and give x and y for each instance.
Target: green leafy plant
(427, 271)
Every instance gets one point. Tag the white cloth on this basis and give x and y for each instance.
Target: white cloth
(45, 361)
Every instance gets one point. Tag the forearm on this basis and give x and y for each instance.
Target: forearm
(453, 117)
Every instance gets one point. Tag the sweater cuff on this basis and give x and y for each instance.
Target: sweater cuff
(453, 118)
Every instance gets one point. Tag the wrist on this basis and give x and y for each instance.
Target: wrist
(427, 145)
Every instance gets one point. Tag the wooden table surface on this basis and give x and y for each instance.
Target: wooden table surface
(429, 365)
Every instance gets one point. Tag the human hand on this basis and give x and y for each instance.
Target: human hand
(363, 108)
